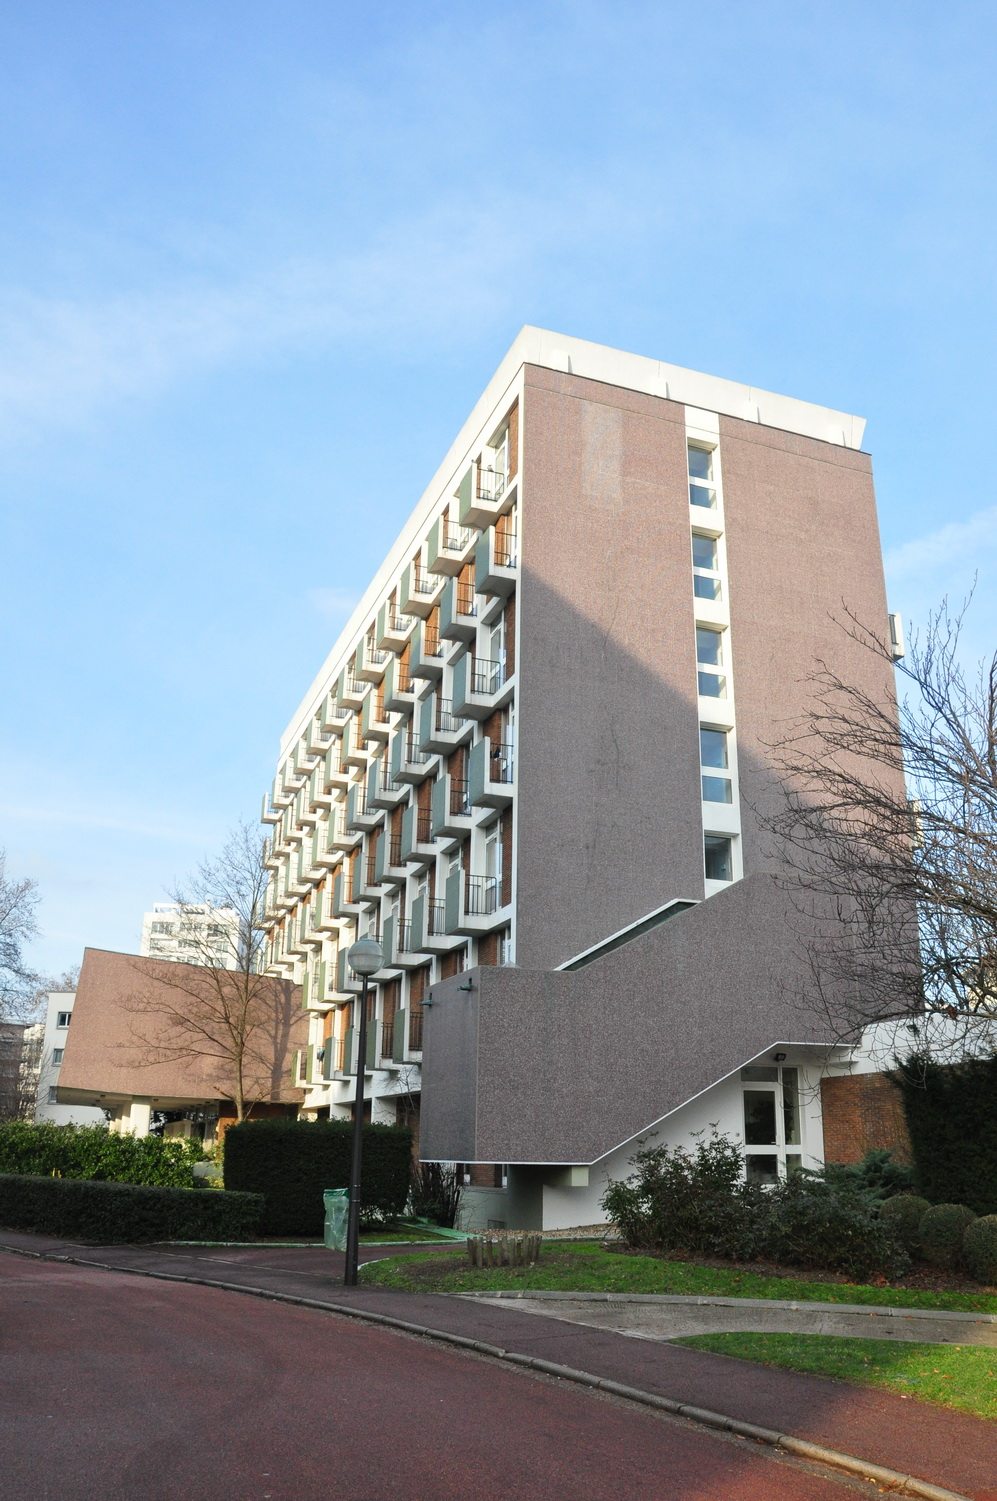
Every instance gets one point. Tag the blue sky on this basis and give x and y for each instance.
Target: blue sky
(256, 263)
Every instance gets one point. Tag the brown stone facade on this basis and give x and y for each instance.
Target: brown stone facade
(862, 1112)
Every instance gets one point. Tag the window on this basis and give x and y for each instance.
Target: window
(63, 1018)
(705, 567)
(713, 753)
(701, 490)
(53, 1094)
(57, 1054)
(718, 855)
(710, 658)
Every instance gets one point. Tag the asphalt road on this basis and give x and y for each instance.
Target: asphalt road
(112, 1387)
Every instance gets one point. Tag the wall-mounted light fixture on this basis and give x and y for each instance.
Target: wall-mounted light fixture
(778, 1057)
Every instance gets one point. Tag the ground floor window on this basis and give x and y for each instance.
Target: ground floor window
(773, 1122)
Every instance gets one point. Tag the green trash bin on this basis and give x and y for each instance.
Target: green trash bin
(337, 1213)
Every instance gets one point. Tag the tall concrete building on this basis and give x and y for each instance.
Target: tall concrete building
(533, 765)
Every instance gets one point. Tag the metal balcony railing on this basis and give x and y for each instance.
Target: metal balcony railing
(501, 762)
(403, 936)
(486, 676)
(372, 869)
(340, 1054)
(395, 850)
(431, 646)
(388, 1037)
(436, 919)
(376, 654)
(414, 754)
(491, 484)
(356, 685)
(424, 826)
(422, 583)
(455, 538)
(465, 601)
(447, 721)
(482, 895)
(398, 622)
(505, 549)
(460, 801)
(415, 1029)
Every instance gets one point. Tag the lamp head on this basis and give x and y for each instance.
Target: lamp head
(365, 956)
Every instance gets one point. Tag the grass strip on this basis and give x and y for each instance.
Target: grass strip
(566, 1266)
(963, 1377)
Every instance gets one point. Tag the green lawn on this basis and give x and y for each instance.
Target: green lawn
(959, 1376)
(566, 1266)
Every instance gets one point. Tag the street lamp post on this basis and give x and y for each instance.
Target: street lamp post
(364, 958)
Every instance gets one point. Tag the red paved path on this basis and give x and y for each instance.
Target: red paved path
(118, 1387)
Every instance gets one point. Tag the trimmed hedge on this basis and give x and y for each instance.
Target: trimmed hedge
(124, 1213)
(95, 1152)
(979, 1249)
(951, 1113)
(291, 1162)
(904, 1213)
(942, 1229)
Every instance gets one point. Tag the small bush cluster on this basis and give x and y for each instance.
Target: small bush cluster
(698, 1203)
(95, 1152)
(291, 1163)
(116, 1213)
(435, 1193)
(876, 1177)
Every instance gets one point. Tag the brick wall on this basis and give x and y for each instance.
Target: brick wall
(861, 1112)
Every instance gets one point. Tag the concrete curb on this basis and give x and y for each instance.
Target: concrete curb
(902, 1484)
(871, 1310)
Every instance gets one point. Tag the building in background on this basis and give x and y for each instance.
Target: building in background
(20, 1051)
(533, 765)
(194, 933)
(54, 1031)
(125, 1054)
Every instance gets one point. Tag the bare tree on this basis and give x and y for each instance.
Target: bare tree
(886, 834)
(217, 1005)
(18, 901)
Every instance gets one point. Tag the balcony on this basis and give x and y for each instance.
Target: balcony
(391, 869)
(371, 661)
(483, 494)
(337, 774)
(352, 751)
(353, 690)
(495, 562)
(473, 904)
(409, 762)
(490, 774)
(417, 836)
(393, 627)
(419, 590)
(480, 686)
(415, 1030)
(401, 944)
(399, 689)
(340, 836)
(374, 721)
(347, 983)
(317, 737)
(268, 813)
(384, 790)
(451, 808)
(458, 612)
(333, 713)
(427, 653)
(327, 854)
(448, 546)
(325, 919)
(360, 811)
(435, 938)
(441, 729)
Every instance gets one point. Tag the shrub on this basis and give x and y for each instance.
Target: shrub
(291, 1163)
(681, 1201)
(109, 1213)
(435, 1192)
(904, 1213)
(815, 1223)
(941, 1231)
(979, 1249)
(97, 1153)
(877, 1176)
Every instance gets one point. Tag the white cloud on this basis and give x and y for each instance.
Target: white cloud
(943, 551)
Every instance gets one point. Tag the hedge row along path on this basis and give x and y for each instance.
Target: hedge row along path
(928, 1452)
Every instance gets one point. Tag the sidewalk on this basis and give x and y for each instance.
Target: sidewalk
(946, 1449)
